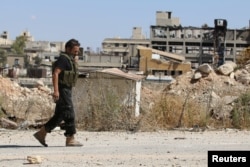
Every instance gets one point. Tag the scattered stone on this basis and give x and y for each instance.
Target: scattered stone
(34, 159)
(227, 68)
(205, 68)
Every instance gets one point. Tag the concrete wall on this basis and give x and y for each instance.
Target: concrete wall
(102, 92)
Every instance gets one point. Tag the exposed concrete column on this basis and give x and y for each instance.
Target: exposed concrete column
(184, 42)
(201, 52)
(177, 33)
(234, 49)
(168, 36)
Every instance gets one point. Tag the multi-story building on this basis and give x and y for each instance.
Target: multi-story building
(196, 44)
(5, 45)
(45, 50)
(5, 40)
(125, 48)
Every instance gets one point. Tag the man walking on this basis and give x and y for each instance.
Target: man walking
(65, 74)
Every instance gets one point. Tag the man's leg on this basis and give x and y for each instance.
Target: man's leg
(50, 125)
(69, 119)
(56, 119)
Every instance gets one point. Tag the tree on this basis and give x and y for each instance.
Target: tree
(3, 57)
(38, 60)
(19, 45)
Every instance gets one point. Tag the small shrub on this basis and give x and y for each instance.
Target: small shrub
(241, 112)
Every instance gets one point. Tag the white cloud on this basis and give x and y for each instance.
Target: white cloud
(33, 17)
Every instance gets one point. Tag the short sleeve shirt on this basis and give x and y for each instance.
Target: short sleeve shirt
(63, 63)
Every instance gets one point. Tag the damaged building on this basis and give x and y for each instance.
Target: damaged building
(196, 44)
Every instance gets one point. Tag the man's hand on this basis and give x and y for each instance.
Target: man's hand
(55, 96)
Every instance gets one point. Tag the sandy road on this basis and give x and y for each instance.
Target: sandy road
(165, 148)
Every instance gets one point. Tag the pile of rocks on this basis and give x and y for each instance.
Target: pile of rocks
(216, 90)
(26, 106)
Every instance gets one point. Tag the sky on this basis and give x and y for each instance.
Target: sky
(91, 21)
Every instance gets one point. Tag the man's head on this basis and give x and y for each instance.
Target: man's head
(72, 47)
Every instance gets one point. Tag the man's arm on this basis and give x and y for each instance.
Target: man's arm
(55, 80)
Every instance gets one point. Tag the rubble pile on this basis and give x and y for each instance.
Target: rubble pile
(8, 87)
(26, 106)
(217, 90)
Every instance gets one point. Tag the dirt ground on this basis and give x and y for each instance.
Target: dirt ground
(152, 149)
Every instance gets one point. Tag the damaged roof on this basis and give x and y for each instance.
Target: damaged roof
(120, 73)
(169, 55)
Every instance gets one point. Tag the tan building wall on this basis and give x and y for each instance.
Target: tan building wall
(5, 41)
(15, 60)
